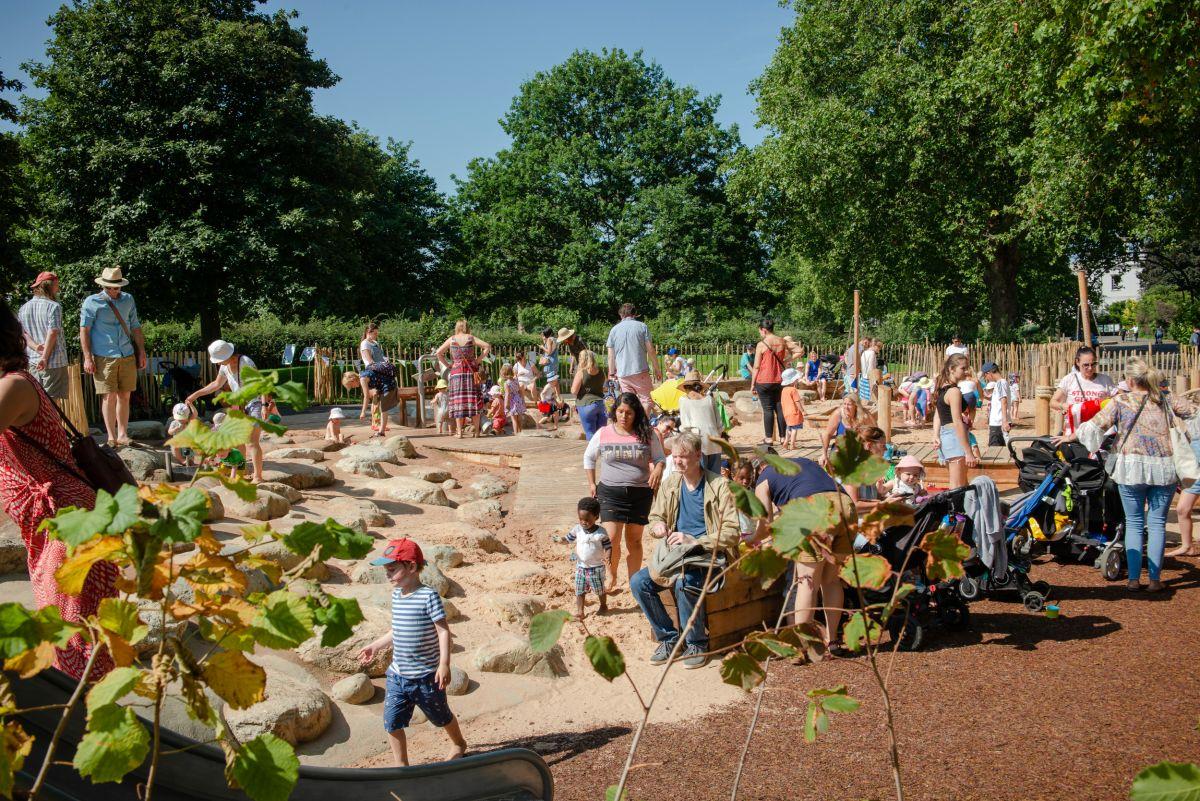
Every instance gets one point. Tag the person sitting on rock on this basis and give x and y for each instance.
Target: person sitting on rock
(696, 521)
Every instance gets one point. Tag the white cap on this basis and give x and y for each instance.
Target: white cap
(495, 390)
(181, 412)
(336, 413)
(220, 351)
(790, 376)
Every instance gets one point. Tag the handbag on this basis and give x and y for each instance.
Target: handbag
(1182, 454)
(100, 467)
(1110, 464)
(137, 349)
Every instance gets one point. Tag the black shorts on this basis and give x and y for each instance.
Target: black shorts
(996, 435)
(624, 504)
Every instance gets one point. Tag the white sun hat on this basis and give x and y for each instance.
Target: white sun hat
(336, 413)
(220, 351)
(790, 376)
(181, 412)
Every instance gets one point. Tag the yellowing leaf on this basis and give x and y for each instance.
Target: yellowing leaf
(208, 543)
(237, 680)
(15, 746)
(33, 661)
(866, 571)
(118, 647)
(213, 574)
(121, 617)
(195, 700)
(946, 554)
(73, 572)
(883, 517)
(741, 670)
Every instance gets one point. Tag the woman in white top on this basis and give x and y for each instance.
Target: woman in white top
(369, 349)
(525, 377)
(230, 376)
(1083, 384)
(698, 414)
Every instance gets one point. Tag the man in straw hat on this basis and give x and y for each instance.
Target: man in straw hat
(110, 335)
(41, 318)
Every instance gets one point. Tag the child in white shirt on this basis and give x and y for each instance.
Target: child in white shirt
(592, 551)
(181, 415)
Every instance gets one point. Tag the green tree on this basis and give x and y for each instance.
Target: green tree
(888, 167)
(612, 189)
(179, 140)
(13, 195)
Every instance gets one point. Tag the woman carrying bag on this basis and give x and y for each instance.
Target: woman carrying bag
(1142, 463)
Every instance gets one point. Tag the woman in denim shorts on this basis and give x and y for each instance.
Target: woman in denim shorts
(951, 430)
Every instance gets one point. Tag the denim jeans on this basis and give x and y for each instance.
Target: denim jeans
(712, 462)
(592, 416)
(687, 590)
(1135, 498)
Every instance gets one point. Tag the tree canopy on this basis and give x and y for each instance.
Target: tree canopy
(14, 194)
(612, 190)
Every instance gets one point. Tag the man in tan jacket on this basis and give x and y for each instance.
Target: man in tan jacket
(695, 515)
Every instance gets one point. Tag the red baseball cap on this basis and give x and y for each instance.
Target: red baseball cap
(43, 276)
(402, 550)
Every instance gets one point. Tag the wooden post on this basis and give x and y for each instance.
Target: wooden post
(1181, 384)
(856, 367)
(876, 379)
(1196, 378)
(885, 411)
(1084, 310)
(1042, 392)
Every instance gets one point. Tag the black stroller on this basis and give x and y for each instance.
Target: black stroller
(931, 605)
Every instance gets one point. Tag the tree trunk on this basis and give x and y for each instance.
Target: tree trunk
(1000, 278)
(210, 315)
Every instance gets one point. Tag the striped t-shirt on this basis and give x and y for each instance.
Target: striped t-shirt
(414, 637)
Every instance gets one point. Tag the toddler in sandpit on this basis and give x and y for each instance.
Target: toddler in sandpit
(592, 551)
(333, 429)
(420, 640)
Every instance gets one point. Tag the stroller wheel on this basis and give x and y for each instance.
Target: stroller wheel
(955, 616)
(913, 633)
(1111, 564)
(1042, 587)
(969, 588)
(1034, 601)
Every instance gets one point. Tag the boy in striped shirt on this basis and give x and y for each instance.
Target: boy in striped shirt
(420, 640)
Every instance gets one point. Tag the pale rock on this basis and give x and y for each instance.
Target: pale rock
(489, 486)
(356, 689)
(12, 548)
(486, 512)
(746, 404)
(459, 682)
(299, 475)
(367, 573)
(413, 490)
(401, 446)
(342, 658)
(146, 429)
(444, 556)
(275, 551)
(508, 653)
(464, 536)
(450, 484)
(267, 506)
(361, 467)
(283, 490)
(151, 615)
(452, 612)
(141, 462)
(356, 513)
(370, 452)
(511, 608)
(216, 507)
(433, 578)
(430, 474)
(303, 454)
(295, 709)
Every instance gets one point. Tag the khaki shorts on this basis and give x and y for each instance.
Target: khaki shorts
(115, 375)
(53, 380)
(841, 546)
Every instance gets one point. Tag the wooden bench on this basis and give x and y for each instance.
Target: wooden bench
(742, 606)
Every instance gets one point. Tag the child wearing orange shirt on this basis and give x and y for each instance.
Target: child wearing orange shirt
(793, 407)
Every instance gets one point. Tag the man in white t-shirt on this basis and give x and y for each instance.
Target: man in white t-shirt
(867, 363)
(1081, 391)
(956, 346)
(852, 358)
(998, 400)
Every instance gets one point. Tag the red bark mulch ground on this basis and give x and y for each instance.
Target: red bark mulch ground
(1017, 707)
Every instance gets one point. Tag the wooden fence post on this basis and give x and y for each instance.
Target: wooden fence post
(1042, 392)
(884, 414)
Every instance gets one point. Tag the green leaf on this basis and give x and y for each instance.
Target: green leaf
(868, 572)
(727, 447)
(19, 631)
(243, 489)
(116, 685)
(860, 629)
(545, 628)
(764, 563)
(293, 394)
(799, 519)
(1167, 781)
(53, 629)
(605, 656)
(335, 540)
(266, 768)
(784, 467)
(339, 618)
(763, 645)
(121, 618)
(189, 509)
(233, 432)
(283, 621)
(610, 794)
(946, 554)
(746, 501)
(77, 526)
(267, 426)
(815, 720)
(127, 510)
(821, 701)
(741, 670)
(854, 464)
(116, 743)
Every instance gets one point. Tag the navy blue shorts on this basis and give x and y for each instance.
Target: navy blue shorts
(403, 694)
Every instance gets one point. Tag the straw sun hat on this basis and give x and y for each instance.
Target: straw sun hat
(111, 276)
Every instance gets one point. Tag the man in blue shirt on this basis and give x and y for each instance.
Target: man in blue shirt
(110, 336)
(632, 360)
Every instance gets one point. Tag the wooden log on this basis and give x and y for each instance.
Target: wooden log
(1181, 384)
(885, 411)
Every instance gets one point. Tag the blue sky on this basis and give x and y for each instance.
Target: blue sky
(441, 73)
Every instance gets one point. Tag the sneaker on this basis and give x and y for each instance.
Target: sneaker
(662, 653)
(694, 656)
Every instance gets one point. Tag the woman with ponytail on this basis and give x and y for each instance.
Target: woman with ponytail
(1143, 467)
(950, 430)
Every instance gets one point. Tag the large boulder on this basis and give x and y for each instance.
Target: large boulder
(511, 608)
(356, 689)
(444, 556)
(298, 475)
(433, 578)
(12, 547)
(370, 452)
(367, 573)
(296, 709)
(283, 490)
(146, 429)
(266, 506)
(301, 453)
(485, 512)
(343, 657)
(413, 490)
(275, 551)
(452, 612)
(489, 486)
(141, 462)
(216, 507)
(459, 682)
(400, 446)
(508, 653)
(463, 536)
(361, 467)
(356, 513)
(433, 475)
(746, 404)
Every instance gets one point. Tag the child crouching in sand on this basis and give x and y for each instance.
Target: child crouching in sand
(420, 641)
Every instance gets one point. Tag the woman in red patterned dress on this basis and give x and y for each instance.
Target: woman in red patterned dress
(466, 401)
(32, 488)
